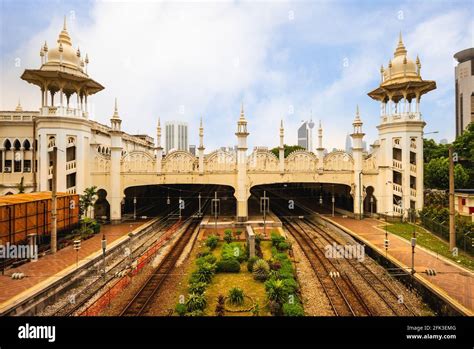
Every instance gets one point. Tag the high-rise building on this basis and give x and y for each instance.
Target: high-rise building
(192, 149)
(464, 89)
(348, 144)
(303, 135)
(176, 136)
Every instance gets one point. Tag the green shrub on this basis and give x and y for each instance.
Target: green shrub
(276, 239)
(258, 239)
(260, 270)
(295, 309)
(233, 250)
(276, 291)
(286, 270)
(181, 309)
(204, 273)
(228, 236)
(281, 256)
(228, 266)
(196, 302)
(220, 306)
(212, 241)
(197, 287)
(283, 246)
(290, 285)
(210, 258)
(238, 233)
(250, 263)
(236, 296)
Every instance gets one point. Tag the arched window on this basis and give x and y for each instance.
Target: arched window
(26, 144)
(7, 145)
(17, 144)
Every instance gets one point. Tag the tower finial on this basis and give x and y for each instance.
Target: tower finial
(116, 109)
(65, 25)
(18, 107)
(242, 116)
(400, 50)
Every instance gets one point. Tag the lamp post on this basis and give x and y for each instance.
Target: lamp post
(104, 246)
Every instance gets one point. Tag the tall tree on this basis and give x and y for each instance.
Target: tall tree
(437, 174)
(87, 200)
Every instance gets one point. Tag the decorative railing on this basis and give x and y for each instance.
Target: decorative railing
(71, 165)
(397, 188)
(397, 164)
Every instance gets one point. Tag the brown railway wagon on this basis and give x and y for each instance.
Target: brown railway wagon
(24, 214)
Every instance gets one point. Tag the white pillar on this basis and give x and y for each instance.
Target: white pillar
(281, 149)
(115, 196)
(61, 143)
(43, 163)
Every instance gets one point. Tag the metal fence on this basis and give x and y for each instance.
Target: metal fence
(463, 242)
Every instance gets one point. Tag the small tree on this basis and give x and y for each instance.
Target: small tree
(228, 236)
(87, 200)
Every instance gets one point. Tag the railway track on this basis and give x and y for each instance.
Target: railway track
(81, 298)
(385, 292)
(343, 297)
(139, 303)
(342, 292)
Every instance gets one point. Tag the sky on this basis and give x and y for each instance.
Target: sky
(288, 61)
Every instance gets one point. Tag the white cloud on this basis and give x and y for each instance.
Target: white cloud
(156, 57)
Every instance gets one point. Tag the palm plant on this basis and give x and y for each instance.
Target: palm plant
(196, 302)
(276, 291)
(260, 270)
(236, 296)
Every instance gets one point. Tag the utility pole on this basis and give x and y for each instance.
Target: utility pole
(199, 213)
(54, 203)
(452, 229)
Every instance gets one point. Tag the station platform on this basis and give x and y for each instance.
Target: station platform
(451, 279)
(49, 268)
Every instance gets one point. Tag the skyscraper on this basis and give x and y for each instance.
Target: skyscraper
(348, 148)
(176, 136)
(464, 89)
(303, 135)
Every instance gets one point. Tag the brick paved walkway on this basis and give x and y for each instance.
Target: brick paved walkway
(455, 281)
(48, 266)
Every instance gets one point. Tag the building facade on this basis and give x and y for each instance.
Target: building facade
(390, 175)
(464, 89)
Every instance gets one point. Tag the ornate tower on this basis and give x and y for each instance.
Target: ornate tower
(61, 122)
(281, 149)
(242, 192)
(201, 148)
(320, 149)
(357, 150)
(159, 148)
(115, 197)
(400, 158)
